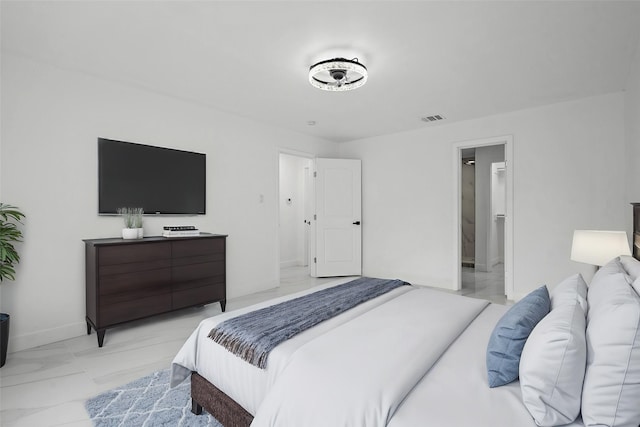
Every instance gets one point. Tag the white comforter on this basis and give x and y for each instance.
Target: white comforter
(358, 374)
(413, 357)
(243, 382)
(455, 393)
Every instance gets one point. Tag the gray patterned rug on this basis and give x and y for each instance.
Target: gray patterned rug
(147, 402)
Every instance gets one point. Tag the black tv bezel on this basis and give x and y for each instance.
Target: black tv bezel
(152, 147)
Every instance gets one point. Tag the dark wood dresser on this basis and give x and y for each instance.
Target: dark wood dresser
(132, 279)
(636, 231)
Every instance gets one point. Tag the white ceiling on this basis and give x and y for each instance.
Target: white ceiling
(459, 59)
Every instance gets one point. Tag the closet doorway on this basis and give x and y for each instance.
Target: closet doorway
(483, 231)
(295, 210)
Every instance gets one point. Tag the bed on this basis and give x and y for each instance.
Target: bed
(417, 356)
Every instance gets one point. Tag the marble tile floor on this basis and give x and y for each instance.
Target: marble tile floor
(48, 385)
(484, 285)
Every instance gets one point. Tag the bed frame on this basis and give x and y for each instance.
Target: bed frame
(223, 408)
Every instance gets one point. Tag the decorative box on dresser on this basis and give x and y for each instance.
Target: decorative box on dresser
(636, 230)
(133, 279)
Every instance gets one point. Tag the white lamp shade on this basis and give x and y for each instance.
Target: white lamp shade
(598, 247)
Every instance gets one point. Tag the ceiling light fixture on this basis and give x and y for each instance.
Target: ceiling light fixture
(338, 74)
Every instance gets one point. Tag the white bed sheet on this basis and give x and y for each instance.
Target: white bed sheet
(243, 382)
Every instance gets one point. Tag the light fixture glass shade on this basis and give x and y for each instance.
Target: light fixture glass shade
(338, 74)
(598, 247)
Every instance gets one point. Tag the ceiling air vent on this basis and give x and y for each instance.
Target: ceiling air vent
(434, 118)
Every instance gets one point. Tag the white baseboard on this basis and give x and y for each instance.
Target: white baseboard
(496, 261)
(46, 336)
(481, 267)
(290, 263)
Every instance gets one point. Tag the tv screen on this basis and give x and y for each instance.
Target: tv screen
(159, 180)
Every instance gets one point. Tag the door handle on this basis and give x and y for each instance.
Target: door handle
(356, 222)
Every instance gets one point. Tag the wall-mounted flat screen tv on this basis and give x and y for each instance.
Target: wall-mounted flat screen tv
(159, 180)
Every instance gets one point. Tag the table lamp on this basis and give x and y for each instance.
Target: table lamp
(598, 247)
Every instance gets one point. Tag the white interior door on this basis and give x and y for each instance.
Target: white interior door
(338, 229)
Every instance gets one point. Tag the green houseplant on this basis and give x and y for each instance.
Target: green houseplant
(137, 221)
(132, 218)
(10, 216)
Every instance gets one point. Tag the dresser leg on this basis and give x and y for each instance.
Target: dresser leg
(88, 328)
(195, 407)
(101, 336)
(223, 304)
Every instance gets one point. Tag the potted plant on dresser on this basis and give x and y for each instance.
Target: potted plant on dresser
(10, 216)
(132, 221)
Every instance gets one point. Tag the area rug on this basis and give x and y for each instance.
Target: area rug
(147, 402)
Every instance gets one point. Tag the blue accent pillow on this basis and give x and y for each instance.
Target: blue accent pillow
(510, 334)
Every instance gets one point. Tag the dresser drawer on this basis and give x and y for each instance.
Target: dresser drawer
(138, 308)
(123, 254)
(198, 283)
(195, 247)
(198, 259)
(106, 270)
(198, 296)
(182, 273)
(136, 283)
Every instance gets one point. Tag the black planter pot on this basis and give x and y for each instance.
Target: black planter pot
(4, 337)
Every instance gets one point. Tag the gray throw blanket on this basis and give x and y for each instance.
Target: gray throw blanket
(253, 335)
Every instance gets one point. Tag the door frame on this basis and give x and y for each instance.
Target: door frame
(296, 153)
(507, 141)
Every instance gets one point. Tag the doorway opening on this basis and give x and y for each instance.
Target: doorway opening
(294, 215)
(483, 223)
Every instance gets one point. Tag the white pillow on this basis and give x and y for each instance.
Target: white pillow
(599, 288)
(611, 391)
(552, 366)
(613, 266)
(631, 266)
(570, 290)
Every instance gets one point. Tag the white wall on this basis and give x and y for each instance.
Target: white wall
(568, 175)
(51, 119)
(632, 133)
(292, 226)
